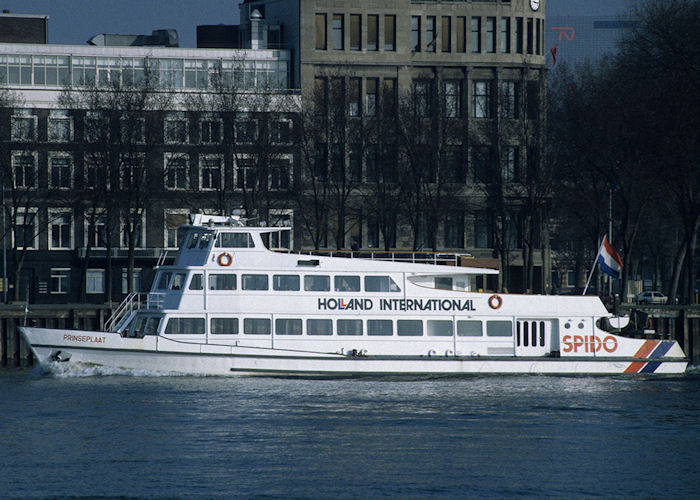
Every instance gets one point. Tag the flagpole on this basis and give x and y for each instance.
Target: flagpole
(590, 275)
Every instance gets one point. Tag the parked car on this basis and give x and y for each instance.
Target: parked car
(651, 297)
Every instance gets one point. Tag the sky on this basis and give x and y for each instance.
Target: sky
(75, 21)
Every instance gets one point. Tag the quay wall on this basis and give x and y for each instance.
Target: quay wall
(680, 323)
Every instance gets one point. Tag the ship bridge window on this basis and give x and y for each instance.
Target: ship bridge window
(443, 283)
(164, 281)
(196, 282)
(469, 328)
(317, 283)
(224, 326)
(288, 326)
(285, 282)
(234, 240)
(349, 327)
(380, 284)
(319, 327)
(145, 325)
(409, 327)
(439, 328)
(194, 240)
(256, 326)
(254, 282)
(347, 283)
(499, 328)
(380, 327)
(178, 282)
(222, 282)
(186, 326)
(204, 241)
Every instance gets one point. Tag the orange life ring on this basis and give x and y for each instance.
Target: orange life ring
(495, 301)
(225, 259)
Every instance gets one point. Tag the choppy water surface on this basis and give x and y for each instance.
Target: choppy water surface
(139, 435)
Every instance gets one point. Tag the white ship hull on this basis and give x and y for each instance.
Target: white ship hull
(159, 354)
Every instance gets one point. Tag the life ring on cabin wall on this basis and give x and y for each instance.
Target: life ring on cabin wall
(225, 259)
(495, 301)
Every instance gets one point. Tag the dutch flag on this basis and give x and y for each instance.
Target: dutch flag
(608, 259)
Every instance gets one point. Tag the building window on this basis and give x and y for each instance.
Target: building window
(60, 230)
(505, 35)
(338, 32)
(533, 101)
(452, 98)
(176, 169)
(454, 230)
(481, 99)
(538, 43)
(354, 97)
(355, 32)
(421, 98)
(355, 162)
(281, 132)
(390, 33)
(452, 167)
(95, 281)
(491, 34)
(415, 33)
(529, 35)
(481, 164)
(372, 32)
(24, 169)
(280, 175)
(446, 35)
(476, 34)
(60, 127)
(133, 227)
(175, 128)
(133, 173)
(24, 126)
(96, 127)
(461, 34)
(246, 131)
(133, 130)
(245, 174)
(389, 96)
(210, 169)
(60, 280)
(96, 172)
(173, 220)
(482, 231)
(371, 96)
(430, 33)
(519, 35)
(25, 229)
(509, 164)
(135, 280)
(210, 129)
(60, 171)
(96, 230)
(509, 99)
(321, 42)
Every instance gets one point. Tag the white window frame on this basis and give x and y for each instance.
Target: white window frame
(35, 218)
(24, 114)
(123, 171)
(61, 279)
(101, 120)
(176, 117)
(95, 273)
(202, 160)
(35, 156)
(71, 168)
(86, 226)
(53, 216)
(210, 118)
(287, 159)
(100, 164)
(168, 158)
(123, 240)
(171, 211)
(136, 280)
(59, 116)
(245, 140)
(124, 125)
(274, 136)
(279, 213)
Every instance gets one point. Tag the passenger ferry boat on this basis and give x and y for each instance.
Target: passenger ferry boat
(229, 305)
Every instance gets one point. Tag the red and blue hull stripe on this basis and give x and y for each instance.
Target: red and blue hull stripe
(651, 349)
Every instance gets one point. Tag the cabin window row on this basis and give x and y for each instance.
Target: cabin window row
(280, 282)
(343, 327)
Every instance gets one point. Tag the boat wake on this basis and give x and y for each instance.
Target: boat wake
(83, 370)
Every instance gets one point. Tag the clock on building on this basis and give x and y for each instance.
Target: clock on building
(534, 4)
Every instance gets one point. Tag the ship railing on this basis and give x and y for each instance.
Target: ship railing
(161, 258)
(131, 303)
(438, 258)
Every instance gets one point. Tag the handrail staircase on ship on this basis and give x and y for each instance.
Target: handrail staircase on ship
(132, 302)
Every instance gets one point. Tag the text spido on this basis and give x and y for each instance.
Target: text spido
(588, 343)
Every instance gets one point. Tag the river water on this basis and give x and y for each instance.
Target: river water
(138, 435)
